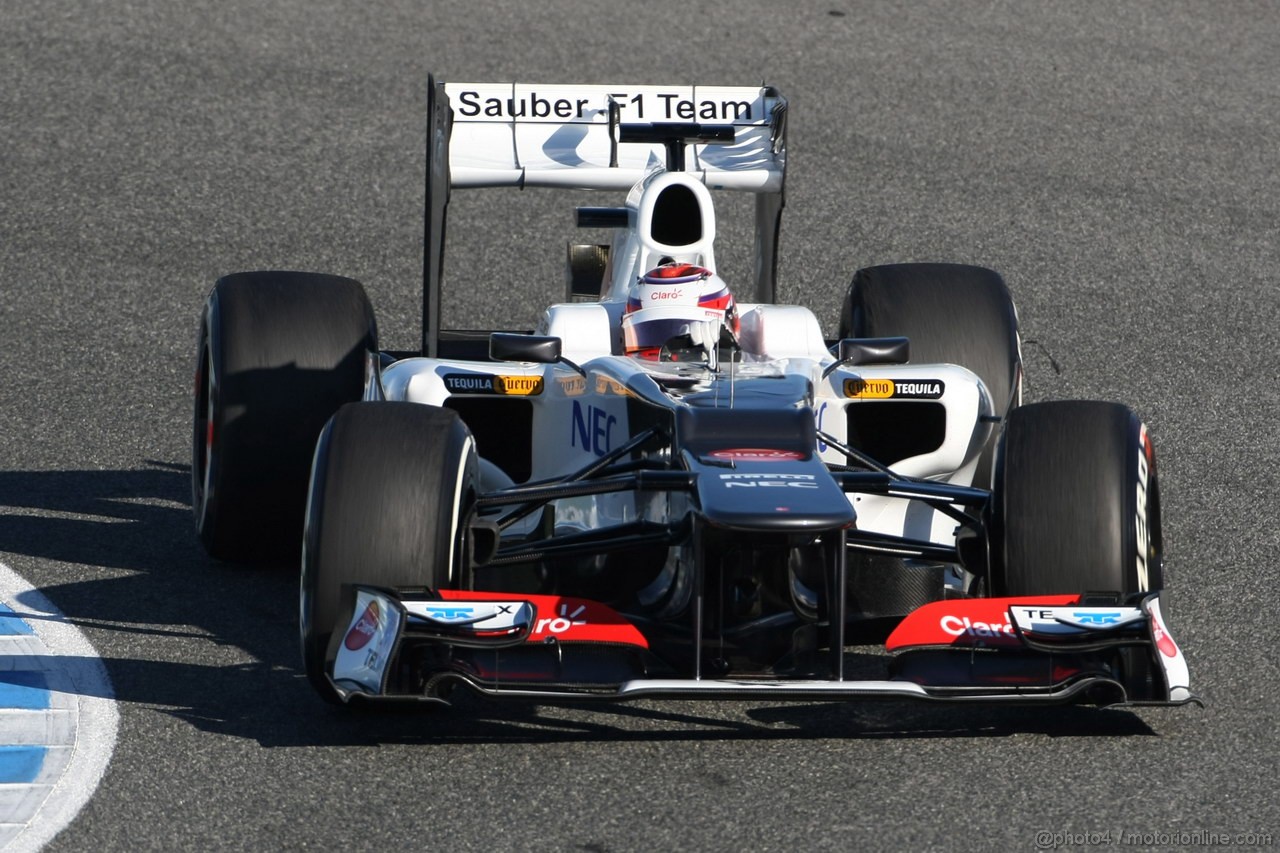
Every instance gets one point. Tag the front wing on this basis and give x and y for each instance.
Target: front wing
(1041, 650)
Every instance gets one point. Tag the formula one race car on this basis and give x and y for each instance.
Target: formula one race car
(664, 491)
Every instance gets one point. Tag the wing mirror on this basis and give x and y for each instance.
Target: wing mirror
(540, 349)
(855, 351)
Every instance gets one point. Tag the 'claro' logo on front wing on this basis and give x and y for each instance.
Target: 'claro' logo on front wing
(961, 626)
(563, 622)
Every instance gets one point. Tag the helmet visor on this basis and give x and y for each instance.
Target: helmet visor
(671, 334)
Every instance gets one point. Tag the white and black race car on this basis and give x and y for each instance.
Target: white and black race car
(664, 490)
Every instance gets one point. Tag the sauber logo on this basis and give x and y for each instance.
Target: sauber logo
(364, 629)
(961, 626)
(756, 454)
(534, 106)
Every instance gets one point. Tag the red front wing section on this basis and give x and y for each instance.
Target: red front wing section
(967, 623)
(567, 620)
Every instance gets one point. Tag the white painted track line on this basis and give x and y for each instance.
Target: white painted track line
(75, 726)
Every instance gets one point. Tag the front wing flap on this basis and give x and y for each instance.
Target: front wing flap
(1047, 650)
(1025, 645)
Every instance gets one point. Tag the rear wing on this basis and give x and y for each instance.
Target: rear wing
(517, 135)
(571, 137)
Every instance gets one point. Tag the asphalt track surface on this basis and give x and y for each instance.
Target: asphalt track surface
(1117, 162)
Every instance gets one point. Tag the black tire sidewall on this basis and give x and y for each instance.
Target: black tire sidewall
(1075, 486)
(204, 459)
(284, 351)
(390, 491)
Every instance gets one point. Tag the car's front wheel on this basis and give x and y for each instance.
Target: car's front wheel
(1076, 504)
(390, 491)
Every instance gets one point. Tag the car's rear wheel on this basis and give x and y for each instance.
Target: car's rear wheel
(279, 352)
(952, 313)
(391, 487)
(1076, 504)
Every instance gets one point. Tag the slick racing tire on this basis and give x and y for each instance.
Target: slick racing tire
(1076, 504)
(391, 489)
(279, 352)
(952, 314)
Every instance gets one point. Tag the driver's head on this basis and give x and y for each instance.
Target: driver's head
(675, 311)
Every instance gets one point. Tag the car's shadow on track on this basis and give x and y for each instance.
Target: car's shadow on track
(474, 720)
(216, 645)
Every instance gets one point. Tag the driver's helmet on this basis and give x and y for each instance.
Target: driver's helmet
(677, 312)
